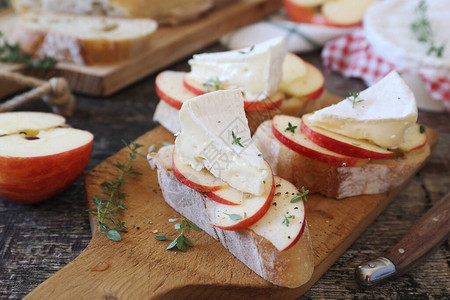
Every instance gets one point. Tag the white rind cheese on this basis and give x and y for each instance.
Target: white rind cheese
(387, 26)
(381, 114)
(208, 123)
(256, 70)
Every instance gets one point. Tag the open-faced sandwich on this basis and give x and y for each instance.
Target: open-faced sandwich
(368, 143)
(271, 80)
(217, 178)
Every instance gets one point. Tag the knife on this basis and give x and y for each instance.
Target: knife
(430, 231)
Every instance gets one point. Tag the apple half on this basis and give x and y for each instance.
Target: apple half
(342, 144)
(299, 143)
(169, 87)
(284, 222)
(249, 211)
(202, 181)
(40, 159)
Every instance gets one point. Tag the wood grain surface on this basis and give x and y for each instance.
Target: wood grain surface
(144, 269)
(38, 240)
(432, 229)
(166, 46)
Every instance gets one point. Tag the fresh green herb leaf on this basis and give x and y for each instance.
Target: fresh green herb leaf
(182, 242)
(10, 53)
(151, 149)
(260, 154)
(112, 204)
(113, 235)
(236, 140)
(423, 30)
(353, 98)
(286, 220)
(422, 129)
(301, 196)
(234, 217)
(247, 52)
(434, 48)
(162, 238)
(213, 84)
(290, 128)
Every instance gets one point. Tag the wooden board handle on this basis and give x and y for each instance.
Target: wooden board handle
(430, 231)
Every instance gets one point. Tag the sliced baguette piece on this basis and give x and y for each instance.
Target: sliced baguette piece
(377, 176)
(290, 268)
(85, 40)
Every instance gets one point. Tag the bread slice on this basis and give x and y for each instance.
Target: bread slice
(377, 176)
(84, 40)
(290, 268)
(163, 11)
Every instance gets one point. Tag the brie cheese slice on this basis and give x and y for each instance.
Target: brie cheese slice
(215, 135)
(381, 114)
(256, 70)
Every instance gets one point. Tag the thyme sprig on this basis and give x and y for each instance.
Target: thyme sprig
(290, 128)
(353, 98)
(10, 53)
(236, 140)
(286, 220)
(422, 28)
(213, 84)
(182, 242)
(300, 196)
(110, 206)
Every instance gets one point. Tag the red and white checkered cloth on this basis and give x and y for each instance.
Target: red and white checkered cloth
(352, 56)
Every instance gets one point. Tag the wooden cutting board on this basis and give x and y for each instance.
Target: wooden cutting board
(167, 45)
(139, 267)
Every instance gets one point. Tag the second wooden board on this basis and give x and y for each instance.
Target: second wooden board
(167, 45)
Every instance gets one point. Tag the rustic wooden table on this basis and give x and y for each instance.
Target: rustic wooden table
(38, 240)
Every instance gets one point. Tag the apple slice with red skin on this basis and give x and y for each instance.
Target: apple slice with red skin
(299, 143)
(342, 144)
(202, 181)
(195, 87)
(272, 102)
(35, 164)
(284, 222)
(228, 196)
(294, 67)
(237, 217)
(415, 139)
(169, 87)
(308, 87)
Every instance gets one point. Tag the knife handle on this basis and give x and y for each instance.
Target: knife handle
(428, 232)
